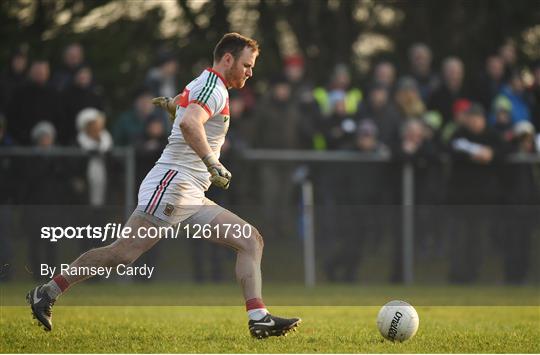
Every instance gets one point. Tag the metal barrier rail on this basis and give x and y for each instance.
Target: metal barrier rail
(298, 156)
(127, 153)
(407, 197)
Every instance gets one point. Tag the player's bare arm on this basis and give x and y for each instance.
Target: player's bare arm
(192, 126)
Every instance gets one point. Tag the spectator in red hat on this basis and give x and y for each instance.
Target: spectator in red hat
(459, 108)
(294, 70)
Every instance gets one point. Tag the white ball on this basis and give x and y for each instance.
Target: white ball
(398, 321)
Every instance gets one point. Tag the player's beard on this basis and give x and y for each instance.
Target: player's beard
(235, 77)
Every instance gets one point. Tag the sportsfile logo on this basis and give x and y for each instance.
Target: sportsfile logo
(392, 332)
(118, 231)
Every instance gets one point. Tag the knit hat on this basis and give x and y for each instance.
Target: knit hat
(42, 128)
(87, 115)
(502, 103)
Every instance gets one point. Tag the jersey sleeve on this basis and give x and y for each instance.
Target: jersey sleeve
(209, 97)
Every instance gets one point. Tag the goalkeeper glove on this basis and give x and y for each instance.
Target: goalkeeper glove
(166, 104)
(219, 176)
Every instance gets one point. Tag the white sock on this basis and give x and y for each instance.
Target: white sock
(52, 289)
(257, 313)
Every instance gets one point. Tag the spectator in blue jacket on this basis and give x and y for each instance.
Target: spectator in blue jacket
(515, 92)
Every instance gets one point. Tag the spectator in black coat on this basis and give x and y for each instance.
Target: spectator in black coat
(162, 79)
(420, 69)
(384, 74)
(8, 179)
(45, 103)
(149, 145)
(355, 211)
(79, 95)
(518, 214)
(44, 178)
(384, 113)
(508, 52)
(534, 96)
(451, 89)
(277, 128)
(13, 77)
(5, 138)
(73, 58)
(490, 81)
(418, 149)
(475, 149)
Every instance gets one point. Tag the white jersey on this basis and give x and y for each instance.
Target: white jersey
(210, 92)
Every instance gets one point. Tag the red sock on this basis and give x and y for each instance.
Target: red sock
(61, 282)
(254, 303)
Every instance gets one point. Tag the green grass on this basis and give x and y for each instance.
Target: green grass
(509, 323)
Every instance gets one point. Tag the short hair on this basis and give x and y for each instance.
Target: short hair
(476, 109)
(233, 43)
(448, 61)
(419, 46)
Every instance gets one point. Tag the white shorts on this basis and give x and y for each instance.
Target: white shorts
(173, 197)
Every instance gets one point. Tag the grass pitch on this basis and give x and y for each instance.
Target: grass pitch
(453, 321)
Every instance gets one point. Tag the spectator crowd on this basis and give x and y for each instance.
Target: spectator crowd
(413, 112)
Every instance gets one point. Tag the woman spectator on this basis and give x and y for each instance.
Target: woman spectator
(93, 137)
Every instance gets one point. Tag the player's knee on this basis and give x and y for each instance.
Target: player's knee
(255, 240)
